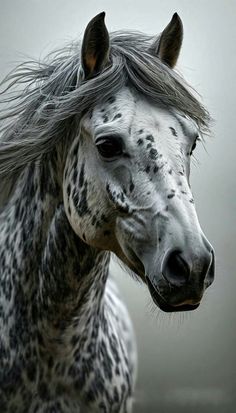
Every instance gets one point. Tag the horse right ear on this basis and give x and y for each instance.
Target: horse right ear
(95, 46)
(168, 45)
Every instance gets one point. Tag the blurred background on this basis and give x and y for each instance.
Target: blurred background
(187, 362)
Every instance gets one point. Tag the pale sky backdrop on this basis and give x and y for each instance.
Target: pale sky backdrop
(187, 362)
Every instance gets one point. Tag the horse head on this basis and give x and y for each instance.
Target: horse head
(126, 179)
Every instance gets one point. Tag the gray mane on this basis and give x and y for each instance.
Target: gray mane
(44, 101)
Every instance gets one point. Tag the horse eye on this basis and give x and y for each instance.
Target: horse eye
(109, 146)
(194, 145)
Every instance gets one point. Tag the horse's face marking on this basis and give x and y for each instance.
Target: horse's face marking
(141, 189)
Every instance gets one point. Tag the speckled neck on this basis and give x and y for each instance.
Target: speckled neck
(59, 281)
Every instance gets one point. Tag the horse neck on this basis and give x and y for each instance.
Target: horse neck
(71, 285)
(58, 277)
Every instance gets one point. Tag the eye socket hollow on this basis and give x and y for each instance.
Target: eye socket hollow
(109, 146)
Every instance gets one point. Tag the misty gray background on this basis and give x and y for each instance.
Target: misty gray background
(186, 361)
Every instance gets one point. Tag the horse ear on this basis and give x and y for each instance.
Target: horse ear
(169, 43)
(95, 46)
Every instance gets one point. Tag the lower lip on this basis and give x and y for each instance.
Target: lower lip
(164, 306)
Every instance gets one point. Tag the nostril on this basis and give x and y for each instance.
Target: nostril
(175, 269)
(211, 271)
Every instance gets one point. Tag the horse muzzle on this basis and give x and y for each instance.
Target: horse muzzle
(183, 280)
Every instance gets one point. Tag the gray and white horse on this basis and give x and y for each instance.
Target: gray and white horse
(95, 148)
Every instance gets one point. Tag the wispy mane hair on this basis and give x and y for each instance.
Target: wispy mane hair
(43, 102)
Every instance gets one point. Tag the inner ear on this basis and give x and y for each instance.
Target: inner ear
(168, 45)
(95, 46)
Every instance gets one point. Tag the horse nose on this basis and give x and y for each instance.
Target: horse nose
(178, 269)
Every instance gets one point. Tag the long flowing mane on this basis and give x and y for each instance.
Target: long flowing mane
(43, 101)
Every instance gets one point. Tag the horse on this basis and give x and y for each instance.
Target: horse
(95, 150)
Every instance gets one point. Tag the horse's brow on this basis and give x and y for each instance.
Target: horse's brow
(187, 125)
(107, 129)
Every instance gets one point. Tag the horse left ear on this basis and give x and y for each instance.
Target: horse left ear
(95, 46)
(169, 43)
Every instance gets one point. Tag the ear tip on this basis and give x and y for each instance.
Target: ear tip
(99, 19)
(177, 19)
(101, 16)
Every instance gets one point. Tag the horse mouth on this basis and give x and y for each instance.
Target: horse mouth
(137, 267)
(162, 303)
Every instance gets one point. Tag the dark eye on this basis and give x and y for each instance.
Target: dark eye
(109, 146)
(194, 145)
